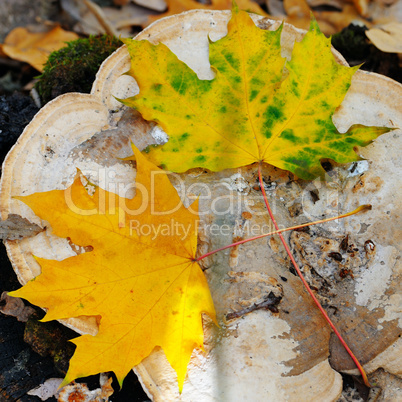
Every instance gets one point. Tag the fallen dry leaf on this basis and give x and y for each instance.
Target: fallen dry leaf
(334, 15)
(15, 307)
(362, 7)
(297, 8)
(157, 5)
(298, 13)
(387, 38)
(120, 2)
(2, 54)
(35, 47)
(337, 20)
(46, 390)
(122, 19)
(179, 6)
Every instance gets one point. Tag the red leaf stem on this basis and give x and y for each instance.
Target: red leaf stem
(357, 210)
(362, 372)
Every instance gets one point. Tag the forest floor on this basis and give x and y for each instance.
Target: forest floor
(30, 351)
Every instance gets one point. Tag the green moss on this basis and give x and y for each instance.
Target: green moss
(50, 339)
(352, 42)
(73, 68)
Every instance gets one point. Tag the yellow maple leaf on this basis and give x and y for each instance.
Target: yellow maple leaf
(140, 277)
(258, 108)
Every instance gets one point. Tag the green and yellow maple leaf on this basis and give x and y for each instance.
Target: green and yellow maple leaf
(257, 108)
(140, 277)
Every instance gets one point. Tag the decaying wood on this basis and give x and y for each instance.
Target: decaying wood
(15, 307)
(16, 228)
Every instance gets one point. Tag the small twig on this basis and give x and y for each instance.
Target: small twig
(100, 16)
(357, 210)
(269, 303)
